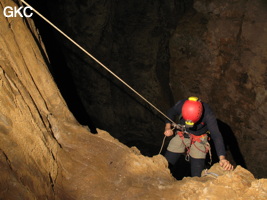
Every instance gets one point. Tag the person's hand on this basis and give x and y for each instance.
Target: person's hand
(226, 165)
(168, 132)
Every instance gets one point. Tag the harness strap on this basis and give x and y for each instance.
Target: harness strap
(198, 138)
(193, 139)
(181, 135)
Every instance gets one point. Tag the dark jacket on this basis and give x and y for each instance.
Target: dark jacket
(207, 122)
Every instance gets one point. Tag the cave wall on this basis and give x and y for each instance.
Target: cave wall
(168, 51)
(218, 53)
(29, 102)
(20, 134)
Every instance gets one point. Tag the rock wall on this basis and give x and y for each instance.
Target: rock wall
(46, 154)
(28, 97)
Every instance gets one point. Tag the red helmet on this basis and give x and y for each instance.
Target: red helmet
(192, 110)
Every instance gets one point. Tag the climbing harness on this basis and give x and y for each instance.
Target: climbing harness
(97, 61)
(193, 139)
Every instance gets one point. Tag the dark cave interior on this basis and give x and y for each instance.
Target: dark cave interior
(145, 131)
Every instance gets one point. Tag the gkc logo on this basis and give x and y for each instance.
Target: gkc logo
(14, 11)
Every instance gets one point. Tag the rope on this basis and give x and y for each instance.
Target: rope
(206, 173)
(163, 141)
(101, 64)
